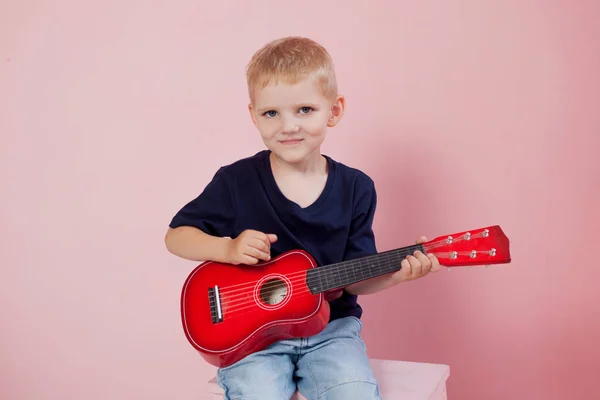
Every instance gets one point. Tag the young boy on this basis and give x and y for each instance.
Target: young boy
(287, 197)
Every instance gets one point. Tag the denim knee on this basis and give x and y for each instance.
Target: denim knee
(357, 390)
(259, 376)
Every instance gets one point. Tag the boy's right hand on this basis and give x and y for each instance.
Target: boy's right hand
(250, 247)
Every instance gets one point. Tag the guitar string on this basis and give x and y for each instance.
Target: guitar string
(233, 312)
(237, 300)
(301, 277)
(252, 307)
(331, 266)
(333, 269)
(248, 298)
(330, 269)
(243, 292)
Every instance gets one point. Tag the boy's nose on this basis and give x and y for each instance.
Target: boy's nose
(290, 126)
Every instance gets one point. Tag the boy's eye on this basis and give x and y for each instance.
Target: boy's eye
(305, 110)
(270, 113)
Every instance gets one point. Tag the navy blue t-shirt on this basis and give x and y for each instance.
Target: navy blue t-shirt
(336, 227)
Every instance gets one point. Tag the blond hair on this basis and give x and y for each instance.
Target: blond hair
(290, 60)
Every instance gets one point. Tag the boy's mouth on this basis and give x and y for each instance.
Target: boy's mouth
(290, 141)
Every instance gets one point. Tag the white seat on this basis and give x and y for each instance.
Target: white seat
(402, 380)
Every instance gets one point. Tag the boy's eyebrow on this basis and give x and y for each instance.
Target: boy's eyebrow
(264, 109)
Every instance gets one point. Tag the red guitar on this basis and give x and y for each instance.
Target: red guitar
(231, 311)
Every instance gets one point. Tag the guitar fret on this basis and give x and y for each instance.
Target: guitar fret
(346, 278)
(347, 272)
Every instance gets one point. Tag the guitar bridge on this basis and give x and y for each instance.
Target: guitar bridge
(214, 298)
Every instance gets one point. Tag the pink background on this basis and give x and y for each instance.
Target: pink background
(114, 113)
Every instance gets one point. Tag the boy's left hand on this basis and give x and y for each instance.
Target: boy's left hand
(417, 265)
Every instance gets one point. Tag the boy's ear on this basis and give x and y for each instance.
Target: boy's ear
(337, 111)
(252, 115)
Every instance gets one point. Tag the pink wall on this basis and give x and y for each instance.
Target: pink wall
(113, 113)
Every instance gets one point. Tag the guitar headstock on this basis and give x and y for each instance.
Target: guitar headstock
(483, 246)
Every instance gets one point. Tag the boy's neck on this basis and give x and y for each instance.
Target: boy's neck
(314, 164)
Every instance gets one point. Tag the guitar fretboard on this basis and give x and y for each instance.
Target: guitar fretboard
(340, 275)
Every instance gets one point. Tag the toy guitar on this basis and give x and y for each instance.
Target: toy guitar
(229, 311)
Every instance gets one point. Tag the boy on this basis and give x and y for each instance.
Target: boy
(287, 197)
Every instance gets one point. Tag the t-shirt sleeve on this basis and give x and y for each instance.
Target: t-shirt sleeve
(361, 239)
(213, 211)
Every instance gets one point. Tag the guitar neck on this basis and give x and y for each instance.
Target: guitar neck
(345, 273)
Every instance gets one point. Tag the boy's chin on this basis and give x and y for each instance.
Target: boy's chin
(294, 156)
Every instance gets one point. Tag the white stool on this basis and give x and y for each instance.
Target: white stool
(397, 380)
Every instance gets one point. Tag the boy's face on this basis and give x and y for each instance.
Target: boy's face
(293, 118)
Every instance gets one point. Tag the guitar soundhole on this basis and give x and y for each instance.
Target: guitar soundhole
(273, 291)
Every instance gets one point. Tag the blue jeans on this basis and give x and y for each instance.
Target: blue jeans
(330, 365)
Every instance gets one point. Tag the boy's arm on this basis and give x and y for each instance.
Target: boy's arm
(250, 247)
(192, 244)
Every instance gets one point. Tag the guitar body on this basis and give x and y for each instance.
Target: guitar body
(229, 311)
